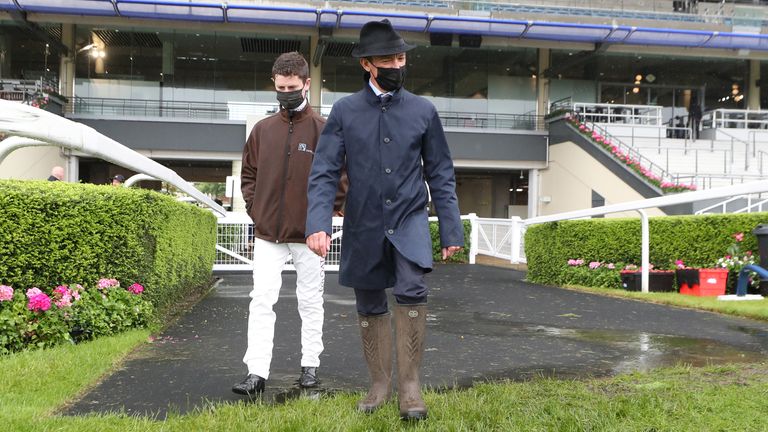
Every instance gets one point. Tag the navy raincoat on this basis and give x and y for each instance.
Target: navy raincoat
(390, 150)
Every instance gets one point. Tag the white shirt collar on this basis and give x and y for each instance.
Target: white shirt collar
(301, 107)
(376, 89)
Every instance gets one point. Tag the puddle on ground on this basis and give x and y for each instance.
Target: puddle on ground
(626, 351)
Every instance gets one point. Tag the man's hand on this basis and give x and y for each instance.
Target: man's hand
(319, 243)
(450, 250)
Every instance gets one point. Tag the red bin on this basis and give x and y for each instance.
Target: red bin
(711, 282)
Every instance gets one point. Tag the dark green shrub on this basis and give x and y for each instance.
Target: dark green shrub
(461, 256)
(56, 233)
(697, 240)
(599, 277)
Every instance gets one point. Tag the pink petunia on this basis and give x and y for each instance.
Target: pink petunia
(107, 283)
(680, 264)
(64, 301)
(594, 264)
(136, 288)
(33, 292)
(739, 236)
(6, 293)
(39, 302)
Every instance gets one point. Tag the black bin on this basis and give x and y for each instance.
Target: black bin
(761, 232)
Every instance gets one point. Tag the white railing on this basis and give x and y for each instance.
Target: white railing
(234, 243)
(499, 237)
(640, 206)
(735, 119)
(750, 203)
(29, 127)
(648, 115)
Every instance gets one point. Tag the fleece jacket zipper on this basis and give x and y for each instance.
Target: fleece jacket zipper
(285, 176)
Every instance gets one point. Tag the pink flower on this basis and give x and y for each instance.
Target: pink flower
(108, 283)
(680, 264)
(33, 292)
(739, 236)
(76, 291)
(64, 301)
(611, 266)
(6, 293)
(39, 302)
(136, 288)
(594, 264)
(62, 296)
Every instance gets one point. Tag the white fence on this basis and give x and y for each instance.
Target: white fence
(500, 238)
(234, 246)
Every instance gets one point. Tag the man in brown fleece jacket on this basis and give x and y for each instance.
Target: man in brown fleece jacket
(277, 159)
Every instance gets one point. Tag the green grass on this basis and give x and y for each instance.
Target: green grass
(35, 385)
(756, 309)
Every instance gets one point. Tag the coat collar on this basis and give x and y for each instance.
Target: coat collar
(297, 115)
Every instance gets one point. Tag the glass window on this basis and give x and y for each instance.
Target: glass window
(178, 66)
(454, 79)
(627, 78)
(25, 56)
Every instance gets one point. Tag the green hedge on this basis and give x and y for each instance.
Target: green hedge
(55, 233)
(461, 256)
(697, 240)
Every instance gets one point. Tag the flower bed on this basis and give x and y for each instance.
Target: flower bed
(36, 318)
(633, 164)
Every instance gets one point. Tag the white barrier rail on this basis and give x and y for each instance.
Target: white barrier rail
(618, 113)
(30, 126)
(234, 245)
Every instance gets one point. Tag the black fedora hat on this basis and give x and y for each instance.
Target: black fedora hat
(378, 38)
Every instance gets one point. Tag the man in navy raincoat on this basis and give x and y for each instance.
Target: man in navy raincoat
(392, 141)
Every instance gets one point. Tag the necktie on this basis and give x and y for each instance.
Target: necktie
(385, 98)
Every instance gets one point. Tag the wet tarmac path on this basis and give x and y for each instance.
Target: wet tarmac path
(484, 323)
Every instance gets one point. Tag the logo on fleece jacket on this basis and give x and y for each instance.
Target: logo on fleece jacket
(305, 148)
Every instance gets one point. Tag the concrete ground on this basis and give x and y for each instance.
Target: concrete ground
(484, 323)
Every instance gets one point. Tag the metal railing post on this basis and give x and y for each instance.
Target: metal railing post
(645, 251)
(473, 236)
(514, 242)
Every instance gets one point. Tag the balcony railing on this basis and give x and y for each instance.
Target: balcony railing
(238, 111)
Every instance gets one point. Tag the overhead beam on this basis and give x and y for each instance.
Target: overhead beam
(577, 59)
(56, 45)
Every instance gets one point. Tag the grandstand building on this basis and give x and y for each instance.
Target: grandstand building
(180, 81)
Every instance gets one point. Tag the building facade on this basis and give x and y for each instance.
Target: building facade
(179, 81)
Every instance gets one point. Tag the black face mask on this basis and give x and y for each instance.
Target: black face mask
(390, 79)
(290, 100)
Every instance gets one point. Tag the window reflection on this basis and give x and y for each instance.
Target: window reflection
(178, 66)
